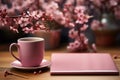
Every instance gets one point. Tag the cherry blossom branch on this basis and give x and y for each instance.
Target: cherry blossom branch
(29, 22)
(37, 16)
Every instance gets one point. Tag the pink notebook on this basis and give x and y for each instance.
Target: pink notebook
(82, 63)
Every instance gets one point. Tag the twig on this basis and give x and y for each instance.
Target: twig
(6, 73)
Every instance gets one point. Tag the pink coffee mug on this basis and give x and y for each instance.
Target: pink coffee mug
(30, 49)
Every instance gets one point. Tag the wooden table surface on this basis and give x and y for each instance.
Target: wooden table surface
(6, 59)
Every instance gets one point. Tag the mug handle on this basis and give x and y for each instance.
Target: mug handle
(10, 50)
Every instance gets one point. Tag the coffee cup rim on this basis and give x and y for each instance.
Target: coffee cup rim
(24, 39)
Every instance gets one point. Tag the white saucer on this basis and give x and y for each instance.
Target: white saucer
(18, 65)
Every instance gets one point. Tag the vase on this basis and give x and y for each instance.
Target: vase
(52, 38)
(106, 37)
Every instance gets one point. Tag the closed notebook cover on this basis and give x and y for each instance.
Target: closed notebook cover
(82, 63)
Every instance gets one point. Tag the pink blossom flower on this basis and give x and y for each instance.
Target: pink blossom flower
(84, 27)
(79, 9)
(76, 44)
(82, 36)
(71, 47)
(95, 25)
(94, 47)
(72, 24)
(86, 41)
(97, 2)
(50, 7)
(82, 18)
(73, 33)
(113, 2)
(69, 2)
